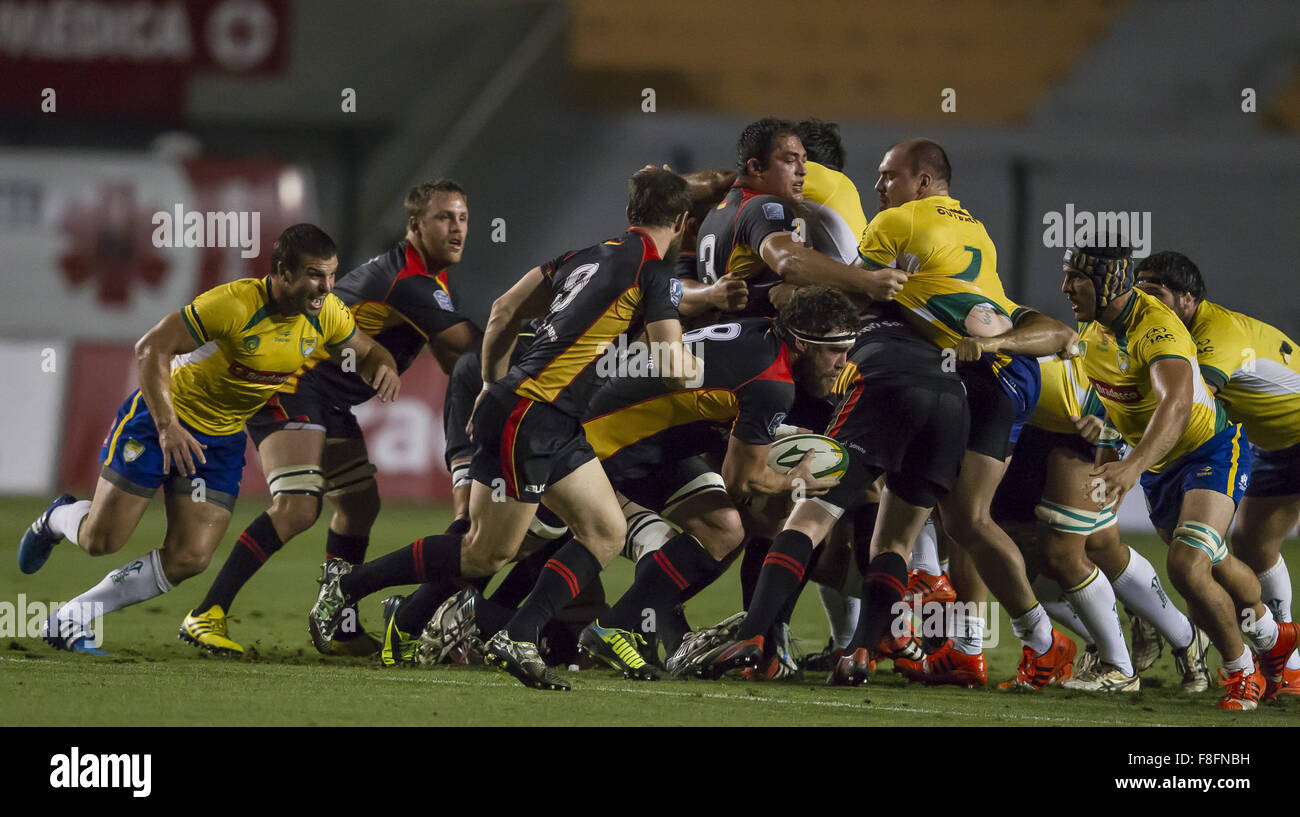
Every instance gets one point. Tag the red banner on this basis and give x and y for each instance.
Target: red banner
(125, 57)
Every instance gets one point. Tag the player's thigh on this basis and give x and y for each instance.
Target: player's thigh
(712, 518)
(1067, 486)
(114, 515)
(195, 529)
(586, 502)
(968, 503)
(1262, 523)
(497, 527)
(1209, 508)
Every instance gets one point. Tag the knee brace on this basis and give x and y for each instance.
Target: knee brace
(1078, 521)
(1204, 538)
(350, 477)
(296, 479)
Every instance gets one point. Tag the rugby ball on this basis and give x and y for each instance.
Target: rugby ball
(829, 459)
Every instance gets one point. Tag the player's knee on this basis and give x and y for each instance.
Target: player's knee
(99, 541)
(186, 563)
(480, 557)
(294, 513)
(358, 510)
(604, 535)
(720, 531)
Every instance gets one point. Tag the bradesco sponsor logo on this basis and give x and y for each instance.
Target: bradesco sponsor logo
(1120, 394)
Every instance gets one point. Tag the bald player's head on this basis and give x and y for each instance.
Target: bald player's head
(913, 169)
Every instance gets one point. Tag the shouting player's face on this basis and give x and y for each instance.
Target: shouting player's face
(1081, 294)
(443, 229)
(899, 183)
(818, 366)
(308, 286)
(786, 168)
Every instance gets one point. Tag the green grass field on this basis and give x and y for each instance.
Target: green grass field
(151, 678)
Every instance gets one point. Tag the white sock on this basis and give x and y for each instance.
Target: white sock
(1262, 635)
(1052, 597)
(133, 582)
(65, 520)
(646, 531)
(1034, 629)
(841, 612)
(1140, 589)
(1094, 600)
(925, 551)
(1244, 662)
(968, 632)
(1275, 585)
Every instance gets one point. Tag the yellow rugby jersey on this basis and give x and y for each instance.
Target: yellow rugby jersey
(1117, 361)
(951, 263)
(245, 353)
(1065, 393)
(1256, 369)
(837, 209)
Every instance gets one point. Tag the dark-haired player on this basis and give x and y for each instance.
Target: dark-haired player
(527, 427)
(652, 442)
(184, 428)
(905, 417)
(751, 235)
(307, 437)
(1254, 371)
(1192, 462)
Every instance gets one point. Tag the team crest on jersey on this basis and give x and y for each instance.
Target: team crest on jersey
(132, 450)
(251, 343)
(1122, 358)
(777, 420)
(1083, 348)
(308, 345)
(444, 300)
(774, 211)
(675, 291)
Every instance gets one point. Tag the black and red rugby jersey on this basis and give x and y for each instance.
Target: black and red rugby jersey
(396, 300)
(634, 423)
(729, 239)
(600, 293)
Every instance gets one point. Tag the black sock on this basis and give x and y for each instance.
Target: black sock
(417, 609)
(491, 615)
(562, 579)
(433, 557)
(787, 609)
(864, 525)
(751, 566)
(662, 576)
(256, 544)
(351, 549)
(518, 583)
(884, 586)
(458, 527)
(783, 572)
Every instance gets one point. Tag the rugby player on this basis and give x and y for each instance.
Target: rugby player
(1191, 460)
(1254, 371)
(953, 296)
(905, 417)
(1084, 565)
(184, 428)
(526, 424)
(307, 436)
(653, 444)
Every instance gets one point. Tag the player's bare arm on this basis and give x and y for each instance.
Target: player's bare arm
(747, 475)
(453, 342)
(528, 298)
(1171, 382)
(153, 361)
(727, 294)
(804, 266)
(1034, 334)
(375, 365)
